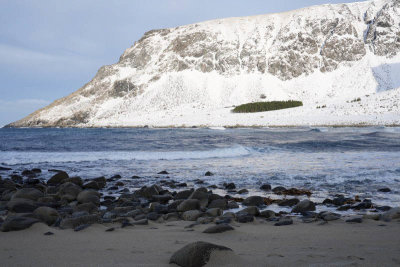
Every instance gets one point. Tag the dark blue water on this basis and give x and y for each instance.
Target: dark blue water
(352, 161)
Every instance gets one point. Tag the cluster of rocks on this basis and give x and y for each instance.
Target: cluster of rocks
(71, 202)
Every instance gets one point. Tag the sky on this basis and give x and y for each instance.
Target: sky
(49, 49)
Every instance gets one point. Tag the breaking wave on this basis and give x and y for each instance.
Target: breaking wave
(17, 157)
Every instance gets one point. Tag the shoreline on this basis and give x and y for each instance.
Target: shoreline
(208, 127)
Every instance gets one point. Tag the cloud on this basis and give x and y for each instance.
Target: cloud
(17, 109)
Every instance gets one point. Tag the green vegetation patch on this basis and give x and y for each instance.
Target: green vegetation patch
(266, 106)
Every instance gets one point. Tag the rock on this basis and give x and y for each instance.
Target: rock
(253, 201)
(278, 189)
(220, 228)
(191, 215)
(202, 195)
(89, 196)
(303, 206)
(92, 185)
(195, 254)
(163, 199)
(28, 193)
(16, 223)
(17, 179)
(153, 216)
(48, 233)
(392, 214)
(243, 191)
(384, 190)
(230, 186)
(141, 222)
(374, 217)
(329, 216)
(58, 178)
(46, 215)
(284, 221)
(383, 208)
(288, 202)
(36, 170)
(189, 204)
(252, 210)
(354, 220)
(75, 222)
(28, 173)
(163, 172)
(267, 214)
(69, 191)
(75, 180)
(21, 205)
(344, 208)
(5, 169)
(88, 207)
(101, 181)
(244, 218)
(204, 220)
(219, 203)
(208, 173)
(266, 187)
(110, 229)
(185, 194)
(81, 227)
(363, 205)
(232, 205)
(340, 200)
(214, 212)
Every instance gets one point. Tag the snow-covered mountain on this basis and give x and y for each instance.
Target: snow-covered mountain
(345, 57)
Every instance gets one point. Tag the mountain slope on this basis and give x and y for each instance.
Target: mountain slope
(327, 55)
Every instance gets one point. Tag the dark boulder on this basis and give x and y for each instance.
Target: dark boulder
(303, 206)
(220, 228)
(16, 223)
(58, 178)
(254, 201)
(266, 187)
(288, 202)
(196, 254)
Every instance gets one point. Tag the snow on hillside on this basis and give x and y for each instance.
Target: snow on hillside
(344, 58)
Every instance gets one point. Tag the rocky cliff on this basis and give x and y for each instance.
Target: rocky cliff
(325, 55)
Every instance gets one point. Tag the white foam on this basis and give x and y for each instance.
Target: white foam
(16, 157)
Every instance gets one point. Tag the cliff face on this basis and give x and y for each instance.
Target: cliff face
(204, 67)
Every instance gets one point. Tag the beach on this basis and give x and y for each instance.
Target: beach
(254, 244)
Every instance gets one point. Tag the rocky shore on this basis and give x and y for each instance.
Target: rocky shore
(64, 202)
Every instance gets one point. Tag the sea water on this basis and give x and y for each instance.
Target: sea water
(327, 161)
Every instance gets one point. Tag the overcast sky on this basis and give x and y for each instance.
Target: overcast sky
(48, 48)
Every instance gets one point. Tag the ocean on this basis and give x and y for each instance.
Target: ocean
(327, 161)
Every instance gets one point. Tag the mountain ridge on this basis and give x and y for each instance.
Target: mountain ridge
(192, 75)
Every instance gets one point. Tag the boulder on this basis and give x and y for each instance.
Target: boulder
(189, 204)
(69, 191)
(267, 214)
(384, 190)
(191, 215)
(278, 189)
(303, 206)
(266, 187)
(202, 195)
(219, 203)
(244, 218)
(195, 254)
(230, 186)
(89, 196)
(21, 205)
(183, 194)
(254, 201)
(46, 214)
(16, 223)
(252, 210)
(208, 173)
(88, 207)
(288, 202)
(220, 228)
(329, 216)
(92, 185)
(28, 193)
(392, 214)
(214, 212)
(75, 222)
(284, 221)
(58, 178)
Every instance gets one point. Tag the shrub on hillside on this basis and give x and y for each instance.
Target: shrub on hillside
(266, 106)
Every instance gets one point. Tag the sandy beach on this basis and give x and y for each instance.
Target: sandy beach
(371, 243)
